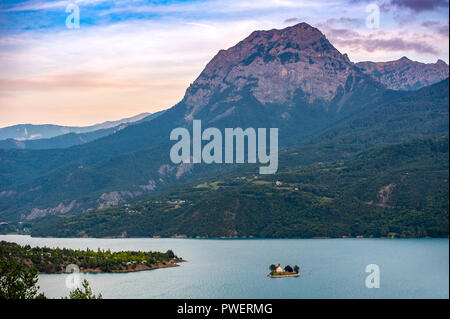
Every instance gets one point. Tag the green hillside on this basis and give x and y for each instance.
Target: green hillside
(399, 190)
(417, 114)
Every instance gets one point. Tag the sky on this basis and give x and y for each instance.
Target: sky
(134, 56)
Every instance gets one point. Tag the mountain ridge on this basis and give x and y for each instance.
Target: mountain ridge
(72, 139)
(37, 131)
(405, 74)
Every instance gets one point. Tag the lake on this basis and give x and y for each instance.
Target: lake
(237, 268)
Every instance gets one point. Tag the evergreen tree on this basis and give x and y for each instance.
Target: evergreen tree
(18, 282)
(288, 268)
(83, 293)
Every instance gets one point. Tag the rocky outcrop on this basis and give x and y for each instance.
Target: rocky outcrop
(7, 193)
(60, 209)
(149, 187)
(404, 74)
(384, 194)
(114, 198)
(119, 197)
(177, 171)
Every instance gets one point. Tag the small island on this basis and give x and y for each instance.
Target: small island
(279, 272)
(55, 260)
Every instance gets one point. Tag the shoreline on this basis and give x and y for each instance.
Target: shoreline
(226, 238)
(281, 276)
(139, 267)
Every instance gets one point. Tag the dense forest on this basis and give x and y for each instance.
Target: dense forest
(399, 190)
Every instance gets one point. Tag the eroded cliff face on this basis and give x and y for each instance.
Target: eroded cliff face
(274, 65)
(60, 209)
(405, 74)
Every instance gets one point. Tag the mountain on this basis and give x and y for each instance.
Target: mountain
(31, 131)
(396, 190)
(404, 74)
(293, 79)
(59, 141)
(71, 139)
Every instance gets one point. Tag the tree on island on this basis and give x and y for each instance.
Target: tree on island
(170, 254)
(296, 269)
(272, 268)
(288, 269)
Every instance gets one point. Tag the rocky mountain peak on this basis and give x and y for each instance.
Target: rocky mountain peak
(405, 74)
(273, 65)
(277, 66)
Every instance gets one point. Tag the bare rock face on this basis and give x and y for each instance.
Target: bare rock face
(273, 65)
(176, 171)
(60, 209)
(405, 74)
(113, 198)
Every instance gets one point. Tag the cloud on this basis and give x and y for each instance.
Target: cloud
(421, 5)
(203, 25)
(436, 26)
(47, 5)
(115, 70)
(34, 6)
(381, 41)
(216, 7)
(342, 34)
(345, 21)
(394, 44)
(413, 5)
(290, 20)
(76, 82)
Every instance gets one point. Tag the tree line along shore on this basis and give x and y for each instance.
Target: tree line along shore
(55, 260)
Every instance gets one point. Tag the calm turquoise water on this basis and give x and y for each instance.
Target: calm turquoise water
(330, 268)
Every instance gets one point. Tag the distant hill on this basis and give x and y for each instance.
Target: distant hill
(31, 131)
(71, 139)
